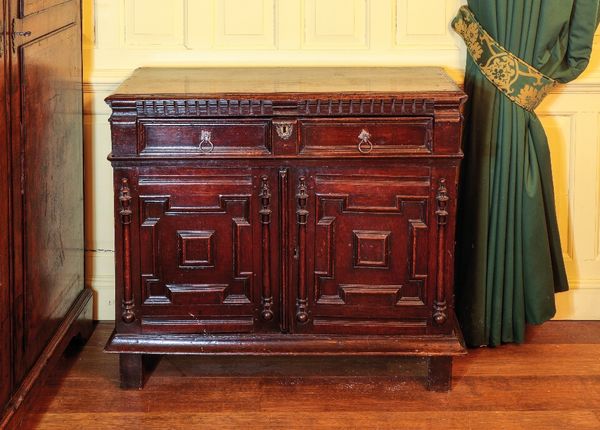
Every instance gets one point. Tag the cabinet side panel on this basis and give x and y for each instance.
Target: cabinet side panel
(5, 315)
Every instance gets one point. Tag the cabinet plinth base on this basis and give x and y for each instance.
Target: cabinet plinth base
(438, 350)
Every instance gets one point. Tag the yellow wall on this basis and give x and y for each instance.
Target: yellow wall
(120, 35)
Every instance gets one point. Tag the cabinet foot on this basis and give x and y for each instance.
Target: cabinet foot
(439, 373)
(132, 370)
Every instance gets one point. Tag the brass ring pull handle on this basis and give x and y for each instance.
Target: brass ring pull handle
(205, 144)
(364, 145)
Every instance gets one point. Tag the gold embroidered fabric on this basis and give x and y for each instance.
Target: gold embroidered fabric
(520, 82)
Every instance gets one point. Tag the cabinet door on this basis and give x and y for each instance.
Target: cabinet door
(47, 169)
(362, 237)
(207, 244)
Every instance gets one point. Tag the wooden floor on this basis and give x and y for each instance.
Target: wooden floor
(552, 382)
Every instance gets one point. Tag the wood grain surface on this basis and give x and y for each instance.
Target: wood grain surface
(551, 382)
(194, 82)
(41, 191)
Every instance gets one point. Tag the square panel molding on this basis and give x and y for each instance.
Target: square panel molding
(254, 28)
(152, 23)
(426, 23)
(371, 248)
(336, 24)
(196, 249)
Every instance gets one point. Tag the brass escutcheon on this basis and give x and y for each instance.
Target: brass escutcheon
(284, 129)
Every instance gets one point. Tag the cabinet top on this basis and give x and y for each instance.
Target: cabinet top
(278, 82)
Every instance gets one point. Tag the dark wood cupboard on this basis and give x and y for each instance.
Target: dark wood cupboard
(5, 325)
(43, 302)
(286, 211)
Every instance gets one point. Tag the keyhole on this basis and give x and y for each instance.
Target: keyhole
(284, 131)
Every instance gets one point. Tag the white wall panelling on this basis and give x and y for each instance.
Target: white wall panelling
(253, 29)
(426, 23)
(336, 24)
(560, 129)
(572, 121)
(154, 23)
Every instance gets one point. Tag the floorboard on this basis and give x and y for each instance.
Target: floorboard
(551, 382)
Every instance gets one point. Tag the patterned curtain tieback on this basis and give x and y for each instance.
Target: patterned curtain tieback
(523, 84)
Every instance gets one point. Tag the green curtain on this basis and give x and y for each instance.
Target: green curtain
(509, 259)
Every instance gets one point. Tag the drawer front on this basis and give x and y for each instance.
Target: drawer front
(204, 138)
(365, 252)
(364, 137)
(205, 260)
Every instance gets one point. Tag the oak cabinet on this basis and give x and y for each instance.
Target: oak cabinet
(280, 211)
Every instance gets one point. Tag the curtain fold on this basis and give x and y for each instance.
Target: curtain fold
(509, 258)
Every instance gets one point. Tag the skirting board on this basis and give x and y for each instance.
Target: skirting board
(103, 288)
(580, 303)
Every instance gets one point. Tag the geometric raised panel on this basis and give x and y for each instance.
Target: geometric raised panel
(371, 248)
(417, 241)
(335, 23)
(347, 240)
(197, 294)
(383, 295)
(174, 246)
(196, 249)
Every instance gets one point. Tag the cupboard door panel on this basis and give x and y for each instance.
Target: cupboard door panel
(205, 257)
(28, 7)
(366, 250)
(47, 157)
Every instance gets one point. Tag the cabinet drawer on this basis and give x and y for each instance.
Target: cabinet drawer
(360, 137)
(204, 138)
